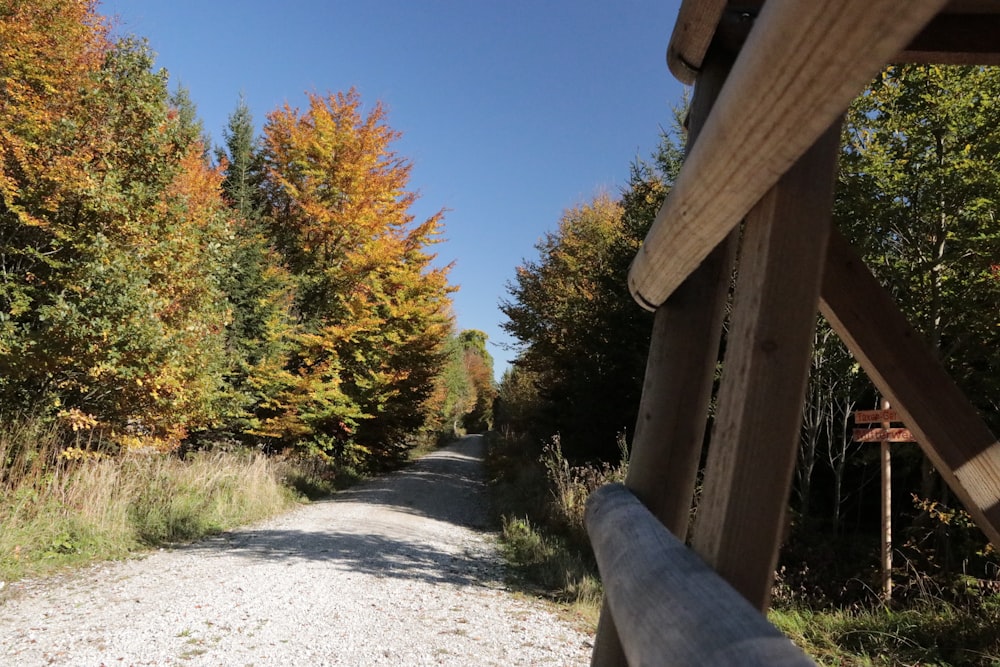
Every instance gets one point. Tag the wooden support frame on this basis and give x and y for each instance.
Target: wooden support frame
(751, 456)
(674, 609)
(906, 371)
(800, 68)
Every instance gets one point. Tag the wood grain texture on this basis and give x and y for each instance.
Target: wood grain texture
(801, 66)
(671, 608)
(741, 516)
(905, 369)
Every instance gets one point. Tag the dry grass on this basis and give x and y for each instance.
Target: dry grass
(66, 505)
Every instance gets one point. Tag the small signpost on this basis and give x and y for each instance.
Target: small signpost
(884, 436)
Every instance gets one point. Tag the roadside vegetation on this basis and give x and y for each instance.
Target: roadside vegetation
(538, 499)
(193, 335)
(917, 195)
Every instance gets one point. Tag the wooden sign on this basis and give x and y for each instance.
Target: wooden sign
(871, 416)
(880, 434)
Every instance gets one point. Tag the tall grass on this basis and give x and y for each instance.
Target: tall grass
(62, 506)
(932, 632)
(539, 498)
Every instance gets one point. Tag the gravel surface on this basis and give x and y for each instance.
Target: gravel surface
(401, 570)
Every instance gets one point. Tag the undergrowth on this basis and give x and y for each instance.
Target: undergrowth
(539, 499)
(63, 504)
(931, 632)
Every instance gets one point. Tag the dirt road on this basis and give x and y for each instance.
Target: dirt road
(398, 571)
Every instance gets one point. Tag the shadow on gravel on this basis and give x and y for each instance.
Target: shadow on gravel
(375, 555)
(445, 486)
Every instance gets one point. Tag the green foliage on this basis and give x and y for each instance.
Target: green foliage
(581, 336)
(932, 633)
(518, 404)
(539, 499)
(918, 196)
(918, 193)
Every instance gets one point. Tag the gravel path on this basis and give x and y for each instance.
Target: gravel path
(397, 571)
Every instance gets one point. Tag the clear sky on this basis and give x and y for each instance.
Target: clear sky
(511, 110)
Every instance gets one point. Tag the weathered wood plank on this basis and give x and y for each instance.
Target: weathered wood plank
(677, 389)
(801, 66)
(907, 372)
(671, 608)
(751, 456)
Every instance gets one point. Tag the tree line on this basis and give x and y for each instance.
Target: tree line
(157, 291)
(917, 194)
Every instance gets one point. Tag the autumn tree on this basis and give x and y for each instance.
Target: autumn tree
(112, 231)
(464, 391)
(371, 309)
(568, 308)
(582, 338)
(478, 364)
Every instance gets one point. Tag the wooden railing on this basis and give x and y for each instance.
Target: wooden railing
(763, 144)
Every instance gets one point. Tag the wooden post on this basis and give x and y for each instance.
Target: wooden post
(677, 388)
(751, 456)
(674, 609)
(886, 511)
(885, 436)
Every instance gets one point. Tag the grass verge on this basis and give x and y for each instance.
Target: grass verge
(930, 632)
(59, 511)
(538, 499)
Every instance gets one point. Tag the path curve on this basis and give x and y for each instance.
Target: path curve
(400, 570)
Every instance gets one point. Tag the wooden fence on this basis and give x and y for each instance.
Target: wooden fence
(772, 81)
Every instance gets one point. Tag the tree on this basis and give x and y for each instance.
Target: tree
(478, 363)
(918, 194)
(259, 288)
(372, 313)
(583, 339)
(111, 248)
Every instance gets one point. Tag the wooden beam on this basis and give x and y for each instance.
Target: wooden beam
(672, 609)
(751, 457)
(801, 66)
(692, 35)
(677, 388)
(957, 39)
(907, 372)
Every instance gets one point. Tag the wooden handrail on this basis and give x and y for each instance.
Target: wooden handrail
(669, 607)
(802, 64)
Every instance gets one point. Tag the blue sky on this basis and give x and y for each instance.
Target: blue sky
(511, 112)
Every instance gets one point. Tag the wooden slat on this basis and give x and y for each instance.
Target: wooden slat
(906, 371)
(741, 516)
(673, 410)
(799, 69)
(957, 39)
(964, 33)
(671, 608)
